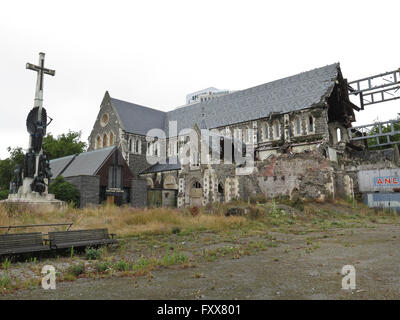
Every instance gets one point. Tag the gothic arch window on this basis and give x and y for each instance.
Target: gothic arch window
(248, 135)
(310, 123)
(156, 149)
(130, 142)
(111, 138)
(266, 131)
(276, 129)
(220, 188)
(338, 135)
(98, 142)
(148, 148)
(196, 184)
(297, 126)
(195, 159)
(137, 145)
(105, 140)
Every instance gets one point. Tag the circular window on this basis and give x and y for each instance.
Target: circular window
(104, 119)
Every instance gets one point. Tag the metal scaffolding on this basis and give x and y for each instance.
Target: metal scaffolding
(378, 130)
(375, 89)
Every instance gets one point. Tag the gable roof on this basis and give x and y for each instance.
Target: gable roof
(301, 91)
(86, 163)
(138, 119)
(58, 165)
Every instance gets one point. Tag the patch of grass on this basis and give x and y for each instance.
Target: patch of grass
(175, 258)
(6, 264)
(123, 265)
(5, 282)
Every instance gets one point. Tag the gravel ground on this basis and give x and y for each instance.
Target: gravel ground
(300, 267)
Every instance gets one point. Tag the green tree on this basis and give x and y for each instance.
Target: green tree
(61, 146)
(7, 166)
(64, 145)
(385, 129)
(4, 194)
(65, 191)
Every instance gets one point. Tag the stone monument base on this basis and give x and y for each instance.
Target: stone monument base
(44, 202)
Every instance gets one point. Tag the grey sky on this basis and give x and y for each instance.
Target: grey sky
(155, 52)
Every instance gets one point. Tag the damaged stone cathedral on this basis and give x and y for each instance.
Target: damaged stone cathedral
(293, 132)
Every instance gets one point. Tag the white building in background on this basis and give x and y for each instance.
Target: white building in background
(205, 95)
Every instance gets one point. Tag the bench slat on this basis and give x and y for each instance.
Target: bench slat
(22, 243)
(79, 238)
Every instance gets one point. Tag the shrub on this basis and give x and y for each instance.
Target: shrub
(65, 191)
(76, 269)
(92, 253)
(4, 194)
(176, 230)
(102, 266)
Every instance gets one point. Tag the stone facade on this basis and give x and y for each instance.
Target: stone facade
(298, 152)
(89, 188)
(291, 158)
(104, 130)
(138, 193)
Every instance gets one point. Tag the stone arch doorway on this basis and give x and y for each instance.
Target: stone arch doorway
(196, 194)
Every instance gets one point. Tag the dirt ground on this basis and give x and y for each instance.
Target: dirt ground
(290, 266)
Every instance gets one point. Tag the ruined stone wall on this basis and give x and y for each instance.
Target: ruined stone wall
(310, 175)
(307, 175)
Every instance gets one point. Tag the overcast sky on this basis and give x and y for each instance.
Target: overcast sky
(153, 53)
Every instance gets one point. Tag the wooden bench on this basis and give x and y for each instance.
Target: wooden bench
(80, 238)
(20, 243)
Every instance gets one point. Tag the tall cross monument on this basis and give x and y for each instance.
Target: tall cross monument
(41, 70)
(31, 182)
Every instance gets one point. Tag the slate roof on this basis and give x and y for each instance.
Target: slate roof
(158, 167)
(86, 163)
(58, 165)
(297, 92)
(138, 119)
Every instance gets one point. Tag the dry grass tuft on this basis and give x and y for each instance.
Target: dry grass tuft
(125, 221)
(128, 221)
